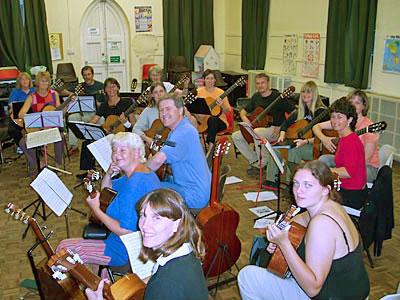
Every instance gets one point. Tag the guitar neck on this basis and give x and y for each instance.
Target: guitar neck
(178, 84)
(40, 235)
(267, 110)
(225, 94)
(310, 125)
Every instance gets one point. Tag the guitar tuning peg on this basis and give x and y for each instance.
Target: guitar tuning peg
(7, 210)
(70, 260)
(25, 221)
(17, 215)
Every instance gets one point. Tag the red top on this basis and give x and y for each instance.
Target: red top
(40, 102)
(350, 154)
(369, 138)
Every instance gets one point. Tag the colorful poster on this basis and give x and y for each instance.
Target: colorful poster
(311, 55)
(289, 54)
(143, 19)
(391, 55)
(56, 48)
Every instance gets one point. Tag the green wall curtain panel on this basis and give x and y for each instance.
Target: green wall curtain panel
(254, 33)
(350, 40)
(187, 25)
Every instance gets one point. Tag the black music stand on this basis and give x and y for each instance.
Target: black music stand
(82, 104)
(198, 107)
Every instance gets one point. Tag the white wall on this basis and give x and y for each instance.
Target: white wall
(298, 17)
(66, 17)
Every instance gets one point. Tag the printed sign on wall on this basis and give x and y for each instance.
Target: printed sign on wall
(311, 55)
(143, 19)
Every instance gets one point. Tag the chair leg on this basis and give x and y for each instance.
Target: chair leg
(366, 249)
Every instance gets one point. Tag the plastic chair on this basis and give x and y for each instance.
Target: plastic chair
(145, 71)
(66, 72)
(386, 153)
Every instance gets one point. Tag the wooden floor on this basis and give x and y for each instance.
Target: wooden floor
(14, 265)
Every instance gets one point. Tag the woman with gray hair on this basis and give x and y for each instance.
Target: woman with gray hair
(156, 74)
(120, 217)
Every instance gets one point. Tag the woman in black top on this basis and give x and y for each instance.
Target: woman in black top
(328, 264)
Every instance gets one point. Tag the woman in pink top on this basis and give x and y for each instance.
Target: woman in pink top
(369, 140)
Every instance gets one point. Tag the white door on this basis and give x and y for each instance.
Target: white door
(104, 40)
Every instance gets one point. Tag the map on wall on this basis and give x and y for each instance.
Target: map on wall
(311, 55)
(391, 56)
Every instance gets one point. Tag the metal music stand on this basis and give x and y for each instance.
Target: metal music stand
(82, 104)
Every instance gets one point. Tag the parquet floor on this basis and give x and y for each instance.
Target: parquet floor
(14, 265)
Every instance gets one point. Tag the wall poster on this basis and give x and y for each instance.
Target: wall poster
(311, 55)
(289, 54)
(391, 55)
(56, 46)
(143, 19)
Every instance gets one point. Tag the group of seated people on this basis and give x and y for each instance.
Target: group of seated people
(327, 264)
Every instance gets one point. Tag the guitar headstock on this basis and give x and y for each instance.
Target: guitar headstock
(284, 219)
(288, 92)
(57, 84)
(189, 98)
(91, 177)
(336, 181)
(241, 81)
(183, 79)
(78, 89)
(144, 97)
(17, 213)
(377, 127)
(134, 84)
(222, 147)
(63, 261)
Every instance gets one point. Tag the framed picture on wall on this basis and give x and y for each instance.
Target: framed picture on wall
(56, 46)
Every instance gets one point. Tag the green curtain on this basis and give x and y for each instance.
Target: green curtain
(37, 35)
(24, 46)
(11, 35)
(187, 25)
(254, 33)
(350, 41)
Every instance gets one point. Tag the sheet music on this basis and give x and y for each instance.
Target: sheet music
(101, 150)
(52, 190)
(264, 196)
(42, 137)
(277, 161)
(53, 118)
(133, 244)
(250, 130)
(261, 211)
(263, 223)
(232, 179)
(87, 104)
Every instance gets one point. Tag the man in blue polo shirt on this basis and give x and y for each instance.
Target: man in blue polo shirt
(191, 175)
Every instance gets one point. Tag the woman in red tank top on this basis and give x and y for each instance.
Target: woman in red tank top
(42, 97)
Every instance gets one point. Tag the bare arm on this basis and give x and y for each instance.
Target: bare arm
(94, 119)
(24, 109)
(65, 92)
(243, 116)
(369, 149)
(156, 161)
(326, 141)
(342, 172)
(107, 182)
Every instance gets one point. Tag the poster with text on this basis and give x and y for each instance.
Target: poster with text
(289, 54)
(311, 55)
(143, 19)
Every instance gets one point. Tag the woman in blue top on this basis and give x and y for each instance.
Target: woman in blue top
(120, 217)
(23, 88)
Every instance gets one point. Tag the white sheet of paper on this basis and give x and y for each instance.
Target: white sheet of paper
(52, 190)
(271, 151)
(351, 211)
(87, 104)
(101, 150)
(232, 179)
(263, 223)
(133, 244)
(261, 211)
(42, 137)
(51, 118)
(264, 196)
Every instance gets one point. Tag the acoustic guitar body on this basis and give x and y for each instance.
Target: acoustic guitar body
(107, 195)
(318, 148)
(67, 289)
(215, 111)
(129, 287)
(266, 121)
(277, 263)
(219, 228)
(111, 125)
(157, 128)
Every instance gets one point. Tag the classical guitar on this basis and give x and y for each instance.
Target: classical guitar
(214, 107)
(260, 117)
(64, 289)
(319, 149)
(277, 264)
(107, 195)
(113, 125)
(129, 287)
(219, 222)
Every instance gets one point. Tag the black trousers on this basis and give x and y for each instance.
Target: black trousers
(15, 131)
(215, 125)
(354, 198)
